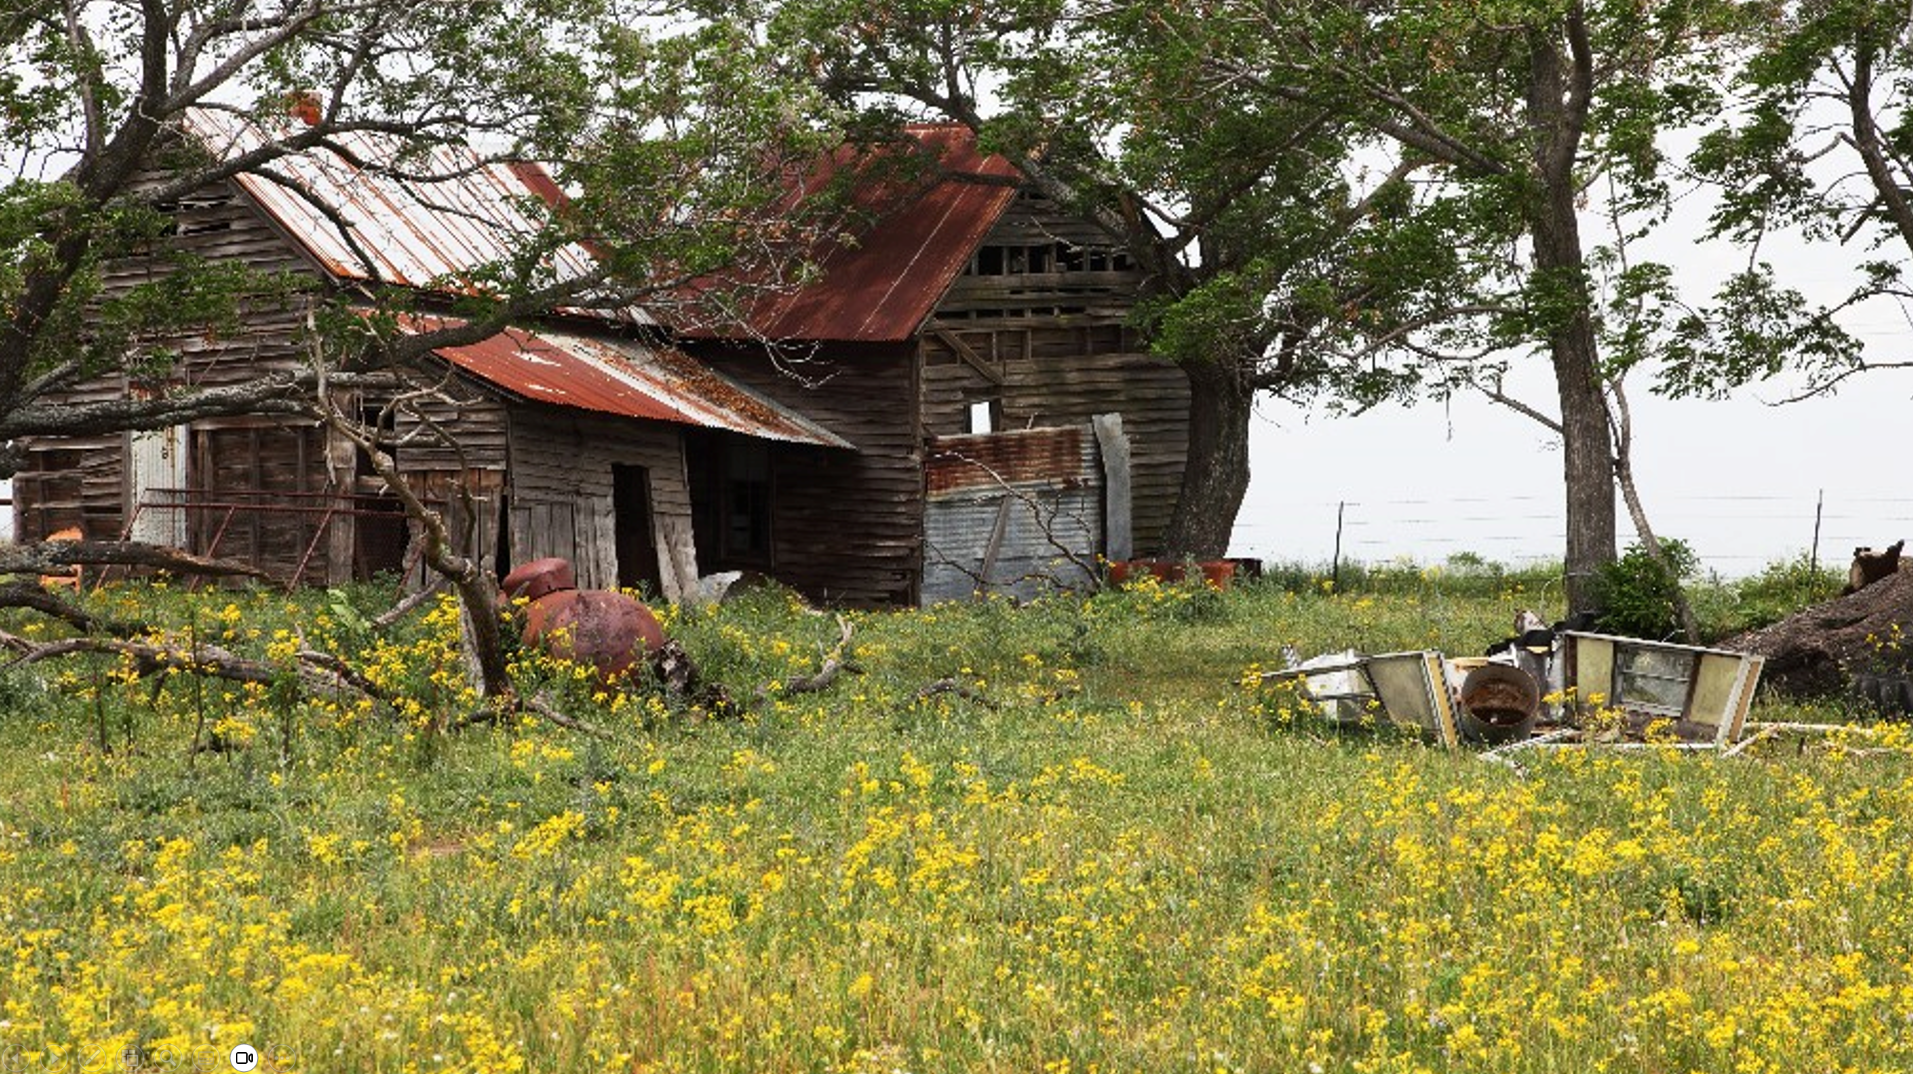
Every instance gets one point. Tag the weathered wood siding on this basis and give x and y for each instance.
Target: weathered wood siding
(84, 480)
(1037, 326)
(846, 527)
(69, 482)
(561, 494)
(259, 496)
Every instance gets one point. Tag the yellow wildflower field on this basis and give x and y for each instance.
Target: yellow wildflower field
(1111, 852)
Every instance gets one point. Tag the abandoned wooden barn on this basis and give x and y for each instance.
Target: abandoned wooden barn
(965, 342)
(956, 405)
(569, 433)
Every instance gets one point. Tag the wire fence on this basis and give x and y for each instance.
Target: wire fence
(1731, 535)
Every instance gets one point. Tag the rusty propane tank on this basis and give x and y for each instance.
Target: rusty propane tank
(610, 632)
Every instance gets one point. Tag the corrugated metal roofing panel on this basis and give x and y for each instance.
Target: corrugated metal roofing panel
(431, 235)
(929, 220)
(625, 378)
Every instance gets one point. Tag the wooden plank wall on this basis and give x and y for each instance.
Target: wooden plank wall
(1053, 348)
(83, 480)
(846, 527)
(245, 471)
(561, 490)
(479, 420)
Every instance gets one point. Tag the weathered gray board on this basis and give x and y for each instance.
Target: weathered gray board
(1014, 512)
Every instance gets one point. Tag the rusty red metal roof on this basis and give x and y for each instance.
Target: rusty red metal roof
(928, 220)
(431, 233)
(625, 378)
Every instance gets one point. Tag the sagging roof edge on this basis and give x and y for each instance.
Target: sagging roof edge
(622, 378)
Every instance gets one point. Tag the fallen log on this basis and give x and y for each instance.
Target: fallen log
(319, 673)
(47, 557)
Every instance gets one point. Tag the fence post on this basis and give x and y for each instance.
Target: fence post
(1813, 557)
(1335, 570)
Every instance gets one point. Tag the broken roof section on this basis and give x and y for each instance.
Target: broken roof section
(428, 223)
(929, 209)
(625, 378)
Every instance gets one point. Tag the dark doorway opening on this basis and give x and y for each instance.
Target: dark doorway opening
(637, 544)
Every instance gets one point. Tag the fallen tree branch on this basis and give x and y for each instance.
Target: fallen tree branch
(47, 557)
(410, 604)
(834, 663)
(29, 595)
(540, 705)
(543, 707)
(319, 673)
(951, 686)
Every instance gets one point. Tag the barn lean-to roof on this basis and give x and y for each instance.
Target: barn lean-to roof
(431, 236)
(926, 217)
(624, 378)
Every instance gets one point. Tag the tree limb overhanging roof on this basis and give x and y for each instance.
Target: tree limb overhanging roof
(429, 222)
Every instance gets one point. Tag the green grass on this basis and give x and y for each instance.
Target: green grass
(1125, 860)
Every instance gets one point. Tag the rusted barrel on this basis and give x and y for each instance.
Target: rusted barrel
(539, 578)
(609, 631)
(1498, 704)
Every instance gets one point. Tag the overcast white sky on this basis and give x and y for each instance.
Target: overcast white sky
(1737, 479)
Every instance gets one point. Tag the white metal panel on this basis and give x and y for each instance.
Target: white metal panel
(157, 471)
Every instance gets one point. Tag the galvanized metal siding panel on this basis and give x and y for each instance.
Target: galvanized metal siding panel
(1053, 373)
(1050, 532)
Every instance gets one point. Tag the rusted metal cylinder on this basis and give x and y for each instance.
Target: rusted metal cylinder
(610, 632)
(1499, 703)
(538, 578)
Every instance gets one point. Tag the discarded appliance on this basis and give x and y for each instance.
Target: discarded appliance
(1412, 689)
(1704, 692)
(610, 632)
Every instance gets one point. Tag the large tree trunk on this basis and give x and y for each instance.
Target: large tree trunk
(1558, 99)
(1587, 466)
(1215, 474)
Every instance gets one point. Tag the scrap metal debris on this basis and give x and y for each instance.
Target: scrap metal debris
(1543, 687)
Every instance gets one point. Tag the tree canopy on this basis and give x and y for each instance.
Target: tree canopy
(670, 141)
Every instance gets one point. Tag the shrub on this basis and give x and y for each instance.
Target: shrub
(1637, 594)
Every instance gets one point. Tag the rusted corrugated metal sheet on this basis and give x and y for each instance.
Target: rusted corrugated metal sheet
(987, 461)
(625, 378)
(1017, 512)
(409, 232)
(929, 218)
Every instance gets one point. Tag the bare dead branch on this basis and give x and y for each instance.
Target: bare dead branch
(318, 674)
(38, 598)
(952, 686)
(834, 663)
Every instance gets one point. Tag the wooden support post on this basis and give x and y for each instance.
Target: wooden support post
(341, 535)
(995, 547)
(1813, 557)
(1335, 570)
(1119, 542)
